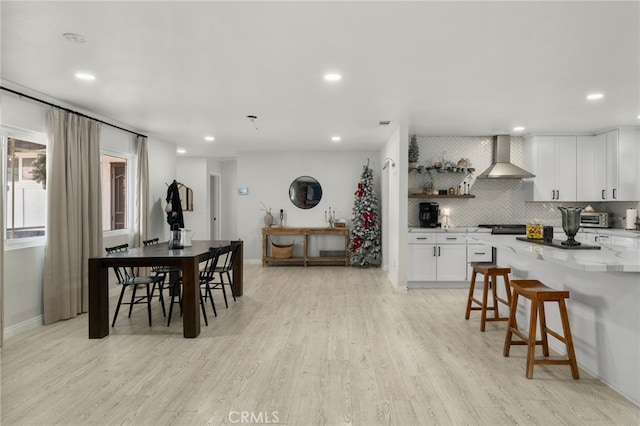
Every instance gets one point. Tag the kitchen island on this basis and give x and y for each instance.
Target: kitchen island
(604, 308)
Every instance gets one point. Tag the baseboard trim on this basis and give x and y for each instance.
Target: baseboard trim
(22, 327)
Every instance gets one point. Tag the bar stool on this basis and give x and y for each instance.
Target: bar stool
(490, 271)
(538, 293)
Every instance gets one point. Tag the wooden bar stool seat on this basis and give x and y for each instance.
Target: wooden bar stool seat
(491, 272)
(538, 294)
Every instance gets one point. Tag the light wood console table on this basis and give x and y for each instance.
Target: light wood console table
(306, 232)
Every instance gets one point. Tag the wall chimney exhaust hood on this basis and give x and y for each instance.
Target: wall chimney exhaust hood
(501, 168)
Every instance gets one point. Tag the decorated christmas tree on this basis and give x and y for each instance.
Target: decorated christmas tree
(365, 231)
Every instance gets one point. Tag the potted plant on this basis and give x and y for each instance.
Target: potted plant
(414, 152)
(268, 217)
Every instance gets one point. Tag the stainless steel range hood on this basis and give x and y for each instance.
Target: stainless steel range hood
(501, 168)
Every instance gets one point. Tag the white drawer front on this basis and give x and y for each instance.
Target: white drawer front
(451, 238)
(478, 253)
(417, 238)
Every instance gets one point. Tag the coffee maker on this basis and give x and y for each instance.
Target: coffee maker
(429, 215)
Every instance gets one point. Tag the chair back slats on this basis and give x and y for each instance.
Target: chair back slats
(151, 241)
(206, 274)
(123, 274)
(235, 247)
(226, 252)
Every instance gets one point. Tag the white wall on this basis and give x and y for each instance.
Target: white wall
(162, 171)
(268, 175)
(394, 207)
(229, 207)
(192, 172)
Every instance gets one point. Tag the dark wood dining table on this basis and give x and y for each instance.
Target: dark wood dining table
(187, 259)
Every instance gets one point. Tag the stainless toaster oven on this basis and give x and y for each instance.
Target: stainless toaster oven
(595, 220)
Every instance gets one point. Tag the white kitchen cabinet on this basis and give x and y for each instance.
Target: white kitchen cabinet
(591, 168)
(607, 166)
(477, 253)
(553, 160)
(623, 241)
(420, 260)
(437, 257)
(451, 257)
(622, 161)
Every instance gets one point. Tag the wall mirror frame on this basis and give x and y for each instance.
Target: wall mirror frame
(305, 192)
(186, 197)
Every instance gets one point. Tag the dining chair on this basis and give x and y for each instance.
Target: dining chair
(225, 270)
(172, 271)
(205, 276)
(127, 278)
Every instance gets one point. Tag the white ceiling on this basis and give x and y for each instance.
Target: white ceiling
(181, 70)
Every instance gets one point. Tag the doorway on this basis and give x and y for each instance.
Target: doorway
(214, 207)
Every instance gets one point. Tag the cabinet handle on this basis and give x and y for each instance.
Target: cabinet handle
(438, 251)
(434, 250)
(479, 252)
(614, 194)
(557, 194)
(553, 194)
(603, 194)
(421, 238)
(452, 238)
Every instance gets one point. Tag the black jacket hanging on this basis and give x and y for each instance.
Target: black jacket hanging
(175, 215)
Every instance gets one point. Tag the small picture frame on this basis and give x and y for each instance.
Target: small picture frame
(243, 191)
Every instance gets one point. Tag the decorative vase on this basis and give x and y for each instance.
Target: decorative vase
(268, 219)
(570, 224)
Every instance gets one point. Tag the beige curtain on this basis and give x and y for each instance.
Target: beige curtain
(74, 213)
(142, 192)
(2, 222)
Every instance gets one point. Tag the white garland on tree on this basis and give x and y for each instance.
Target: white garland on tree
(364, 246)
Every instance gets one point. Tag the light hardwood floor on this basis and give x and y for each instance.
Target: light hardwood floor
(304, 346)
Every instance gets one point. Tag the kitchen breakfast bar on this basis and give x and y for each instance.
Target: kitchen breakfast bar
(604, 304)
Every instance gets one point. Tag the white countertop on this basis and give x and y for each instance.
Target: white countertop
(609, 258)
(557, 229)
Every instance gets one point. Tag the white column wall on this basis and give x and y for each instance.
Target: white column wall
(268, 175)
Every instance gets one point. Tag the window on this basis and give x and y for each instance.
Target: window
(115, 198)
(26, 194)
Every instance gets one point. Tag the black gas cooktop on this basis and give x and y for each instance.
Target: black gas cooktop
(506, 229)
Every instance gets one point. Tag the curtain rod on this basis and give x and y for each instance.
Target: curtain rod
(22, 95)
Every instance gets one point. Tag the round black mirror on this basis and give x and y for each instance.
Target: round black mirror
(305, 192)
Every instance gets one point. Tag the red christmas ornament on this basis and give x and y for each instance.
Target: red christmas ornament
(356, 245)
(360, 191)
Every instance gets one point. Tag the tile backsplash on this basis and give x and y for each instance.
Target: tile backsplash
(496, 200)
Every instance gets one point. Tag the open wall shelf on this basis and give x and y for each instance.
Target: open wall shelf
(440, 196)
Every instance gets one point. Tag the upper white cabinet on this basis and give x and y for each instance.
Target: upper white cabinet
(591, 168)
(553, 160)
(622, 161)
(607, 167)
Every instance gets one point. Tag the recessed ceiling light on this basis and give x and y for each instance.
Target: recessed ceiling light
(518, 129)
(181, 151)
(209, 138)
(594, 96)
(76, 38)
(85, 76)
(336, 138)
(332, 77)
